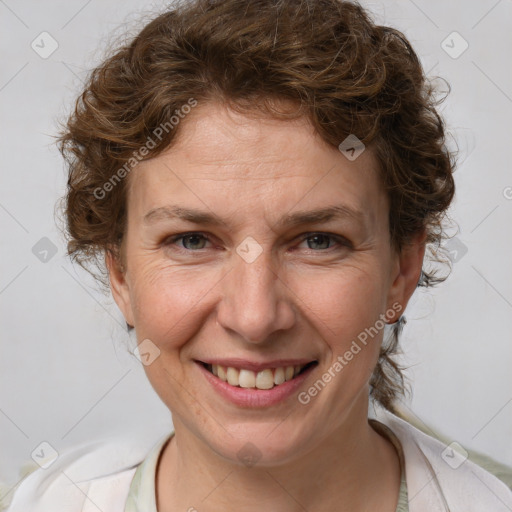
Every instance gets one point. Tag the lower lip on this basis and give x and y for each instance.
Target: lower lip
(253, 398)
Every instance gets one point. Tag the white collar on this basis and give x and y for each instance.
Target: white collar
(432, 485)
(435, 486)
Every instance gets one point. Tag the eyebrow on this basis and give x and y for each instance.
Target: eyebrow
(289, 220)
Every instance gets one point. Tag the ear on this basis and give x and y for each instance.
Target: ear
(119, 286)
(407, 267)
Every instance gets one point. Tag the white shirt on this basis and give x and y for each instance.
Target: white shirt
(100, 477)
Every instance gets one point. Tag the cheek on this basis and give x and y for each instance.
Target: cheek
(168, 302)
(344, 306)
(342, 302)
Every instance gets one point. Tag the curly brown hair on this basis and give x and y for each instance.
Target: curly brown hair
(344, 73)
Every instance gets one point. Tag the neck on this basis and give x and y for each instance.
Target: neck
(352, 469)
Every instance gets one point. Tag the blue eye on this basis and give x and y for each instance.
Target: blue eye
(192, 240)
(324, 240)
(316, 242)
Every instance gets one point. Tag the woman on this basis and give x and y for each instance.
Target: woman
(266, 182)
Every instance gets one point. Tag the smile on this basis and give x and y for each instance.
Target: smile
(264, 379)
(251, 384)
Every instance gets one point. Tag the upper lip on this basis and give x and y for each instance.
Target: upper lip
(254, 366)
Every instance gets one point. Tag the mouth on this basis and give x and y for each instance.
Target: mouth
(265, 379)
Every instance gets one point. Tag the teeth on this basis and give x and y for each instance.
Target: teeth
(232, 376)
(279, 376)
(246, 378)
(265, 379)
(221, 372)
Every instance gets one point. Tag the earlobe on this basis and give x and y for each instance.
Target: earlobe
(119, 286)
(407, 272)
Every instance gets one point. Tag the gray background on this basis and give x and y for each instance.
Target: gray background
(66, 373)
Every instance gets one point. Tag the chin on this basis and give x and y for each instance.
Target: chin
(258, 444)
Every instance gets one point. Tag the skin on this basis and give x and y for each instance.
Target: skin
(301, 298)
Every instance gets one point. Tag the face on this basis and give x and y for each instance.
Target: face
(252, 243)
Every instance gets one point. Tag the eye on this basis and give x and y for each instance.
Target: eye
(190, 241)
(196, 241)
(322, 241)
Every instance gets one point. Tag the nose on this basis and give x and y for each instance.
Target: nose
(256, 301)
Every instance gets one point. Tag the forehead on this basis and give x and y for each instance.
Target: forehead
(225, 160)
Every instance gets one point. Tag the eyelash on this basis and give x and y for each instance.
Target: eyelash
(341, 241)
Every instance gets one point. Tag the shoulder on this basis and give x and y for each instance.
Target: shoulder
(441, 475)
(89, 476)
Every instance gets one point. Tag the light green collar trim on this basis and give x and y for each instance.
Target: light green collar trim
(403, 498)
(142, 494)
